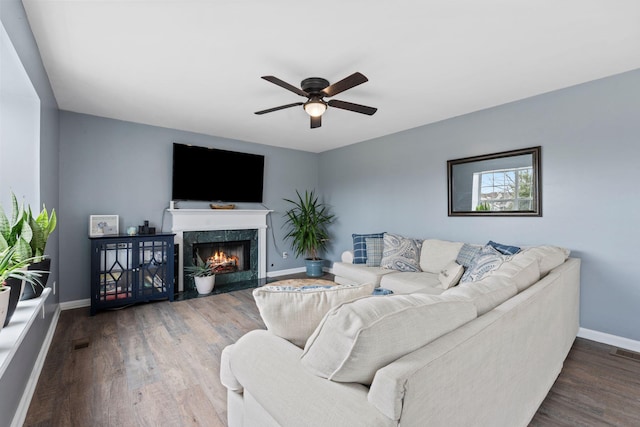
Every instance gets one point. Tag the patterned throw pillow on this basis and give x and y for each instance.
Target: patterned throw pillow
(504, 249)
(466, 254)
(401, 253)
(487, 260)
(375, 246)
(360, 246)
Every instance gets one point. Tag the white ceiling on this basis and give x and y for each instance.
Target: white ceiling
(195, 65)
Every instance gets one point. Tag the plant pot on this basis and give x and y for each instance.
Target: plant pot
(205, 284)
(314, 267)
(34, 291)
(14, 296)
(4, 304)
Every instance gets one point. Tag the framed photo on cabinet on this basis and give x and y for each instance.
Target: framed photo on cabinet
(103, 225)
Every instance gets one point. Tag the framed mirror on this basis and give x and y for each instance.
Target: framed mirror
(499, 184)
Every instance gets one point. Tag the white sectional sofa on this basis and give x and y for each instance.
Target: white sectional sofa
(480, 353)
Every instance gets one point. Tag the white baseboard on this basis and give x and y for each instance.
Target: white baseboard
(32, 382)
(70, 305)
(286, 272)
(613, 340)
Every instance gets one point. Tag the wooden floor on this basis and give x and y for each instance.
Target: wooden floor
(157, 364)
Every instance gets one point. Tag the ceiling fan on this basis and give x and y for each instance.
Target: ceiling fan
(315, 89)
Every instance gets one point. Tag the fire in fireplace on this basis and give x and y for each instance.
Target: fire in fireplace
(222, 263)
(225, 257)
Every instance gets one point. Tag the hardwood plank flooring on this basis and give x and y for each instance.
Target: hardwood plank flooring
(158, 364)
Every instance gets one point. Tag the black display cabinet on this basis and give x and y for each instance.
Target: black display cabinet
(130, 269)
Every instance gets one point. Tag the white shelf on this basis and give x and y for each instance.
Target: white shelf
(12, 335)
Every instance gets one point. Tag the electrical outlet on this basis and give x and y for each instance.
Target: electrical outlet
(285, 255)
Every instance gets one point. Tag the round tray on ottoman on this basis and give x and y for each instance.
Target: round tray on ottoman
(303, 282)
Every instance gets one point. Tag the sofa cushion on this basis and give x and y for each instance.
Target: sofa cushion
(294, 312)
(523, 269)
(436, 254)
(350, 274)
(485, 294)
(404, 282)
(486, 260)
(400, 253)
(375, 246)
(549, 257)
(356, 339)
(504, 249)
(360, 246)
(450, 275)
(466, 254)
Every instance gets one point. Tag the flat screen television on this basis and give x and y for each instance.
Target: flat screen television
(212, 175)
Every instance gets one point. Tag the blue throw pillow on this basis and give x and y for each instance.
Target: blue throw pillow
(485, 261)
(466, 254)
(382, 291)
(360, 246)
(504, 249)
(375, 248)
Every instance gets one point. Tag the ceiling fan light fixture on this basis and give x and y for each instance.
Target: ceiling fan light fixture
(315, 107)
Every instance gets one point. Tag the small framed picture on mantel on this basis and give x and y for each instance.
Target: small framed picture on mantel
(103, 225)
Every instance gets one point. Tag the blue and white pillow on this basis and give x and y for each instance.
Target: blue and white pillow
(466, 254)
(487, 260)
(360, 246)
(401, 253)
(504, 249)
(375, 246)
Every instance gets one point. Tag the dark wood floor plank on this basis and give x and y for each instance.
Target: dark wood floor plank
(158, 364)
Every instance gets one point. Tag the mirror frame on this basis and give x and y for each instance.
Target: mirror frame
(536, 182)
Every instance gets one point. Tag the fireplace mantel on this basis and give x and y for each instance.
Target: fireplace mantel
(217, 219)
(181, 220)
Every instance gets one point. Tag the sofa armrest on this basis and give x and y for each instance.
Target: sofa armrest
(269, 368)
(347, 256)
(226, 376)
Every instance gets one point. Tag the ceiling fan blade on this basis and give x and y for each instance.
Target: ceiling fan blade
(363, 109)
(285, 85)
(316, 122)
(282, 107)
(354, 79)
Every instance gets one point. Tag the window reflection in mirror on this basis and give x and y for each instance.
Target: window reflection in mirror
(499, 184)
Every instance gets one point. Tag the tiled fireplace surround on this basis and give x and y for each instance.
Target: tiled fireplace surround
(220, 225)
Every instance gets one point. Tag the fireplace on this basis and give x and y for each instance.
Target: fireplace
(219, 225)
(233, 253)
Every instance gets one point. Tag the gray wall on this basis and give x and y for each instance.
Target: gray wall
(591, 198)
(115, 167)
(14, 19)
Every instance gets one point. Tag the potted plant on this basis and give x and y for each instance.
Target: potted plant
(28, 235)
(42, 226)
(306, 223)
(13, 275)
(203, 275)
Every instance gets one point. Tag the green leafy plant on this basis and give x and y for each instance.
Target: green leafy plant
(306, 223)
(11, 267)
(26, 233)
(201, 269)
(41, 226)
(483, 207)
(15, 231)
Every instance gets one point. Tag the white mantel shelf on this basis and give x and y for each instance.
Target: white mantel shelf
(182, 220)
(217, 219)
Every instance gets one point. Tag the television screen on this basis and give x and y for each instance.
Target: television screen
(212, 175)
